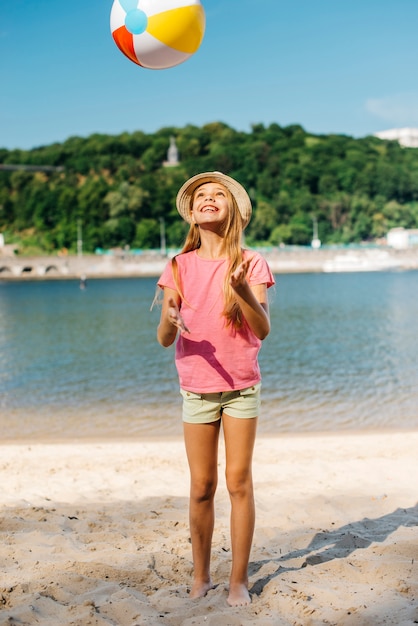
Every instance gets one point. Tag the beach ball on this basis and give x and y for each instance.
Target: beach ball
(157, 34)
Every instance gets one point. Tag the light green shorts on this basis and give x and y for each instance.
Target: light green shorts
(204, 408)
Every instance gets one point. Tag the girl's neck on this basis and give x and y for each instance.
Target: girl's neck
(211, 247)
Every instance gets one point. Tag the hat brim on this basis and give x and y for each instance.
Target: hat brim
(185, 194)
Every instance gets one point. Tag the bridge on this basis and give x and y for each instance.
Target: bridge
(122, 264)
(15, 267)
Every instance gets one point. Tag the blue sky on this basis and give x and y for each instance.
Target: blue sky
(333, 67)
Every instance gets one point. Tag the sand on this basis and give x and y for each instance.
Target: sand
(97, 533)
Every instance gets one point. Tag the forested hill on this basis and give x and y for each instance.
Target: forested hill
(117, 190)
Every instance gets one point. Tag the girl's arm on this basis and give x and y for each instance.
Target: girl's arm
(252, 300)
(170, 320)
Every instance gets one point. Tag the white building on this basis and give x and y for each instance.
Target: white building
(172, 154)
(402, 238)
(407, 137)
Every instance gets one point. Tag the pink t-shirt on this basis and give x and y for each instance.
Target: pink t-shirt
(213, 357)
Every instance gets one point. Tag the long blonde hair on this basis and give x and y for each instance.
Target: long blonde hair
(232, 250)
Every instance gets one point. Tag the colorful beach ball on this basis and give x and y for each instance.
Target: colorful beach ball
(157, 34)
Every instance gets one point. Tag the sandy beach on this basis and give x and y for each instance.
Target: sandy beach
(97, 533)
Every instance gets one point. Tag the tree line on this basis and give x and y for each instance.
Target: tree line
(116, 189)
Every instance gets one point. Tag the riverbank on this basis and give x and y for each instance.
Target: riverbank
(97, 533)
(281, 261)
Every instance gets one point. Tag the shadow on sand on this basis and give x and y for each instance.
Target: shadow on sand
(339, 543)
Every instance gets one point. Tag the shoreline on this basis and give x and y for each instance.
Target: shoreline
(138, 439)
(151, 264)
(97, 533)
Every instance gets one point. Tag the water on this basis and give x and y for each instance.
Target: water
(342, 355)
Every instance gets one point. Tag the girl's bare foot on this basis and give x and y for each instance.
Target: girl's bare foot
(238, 595)
(200, 589)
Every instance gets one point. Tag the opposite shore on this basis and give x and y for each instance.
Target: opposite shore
(125, 264)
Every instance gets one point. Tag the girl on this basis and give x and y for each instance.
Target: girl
(215, 299)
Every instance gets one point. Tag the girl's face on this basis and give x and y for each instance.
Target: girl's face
(210, 204)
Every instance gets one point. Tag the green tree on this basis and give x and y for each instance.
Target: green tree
(147, 234)
(117, 188)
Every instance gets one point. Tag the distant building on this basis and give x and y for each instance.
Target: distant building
(172, 154)
(407, 137)
(402, 238)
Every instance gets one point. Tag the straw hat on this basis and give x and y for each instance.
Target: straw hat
(184, 196)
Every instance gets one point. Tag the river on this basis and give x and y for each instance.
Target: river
(79, 363)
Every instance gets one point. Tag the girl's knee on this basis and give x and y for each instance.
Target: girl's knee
(203, 491)
(239, 484)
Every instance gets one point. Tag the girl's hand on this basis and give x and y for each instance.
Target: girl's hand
(239, 277)
(174, 316)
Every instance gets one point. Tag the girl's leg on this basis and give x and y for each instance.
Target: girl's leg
(202, 453)
(239, 446)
